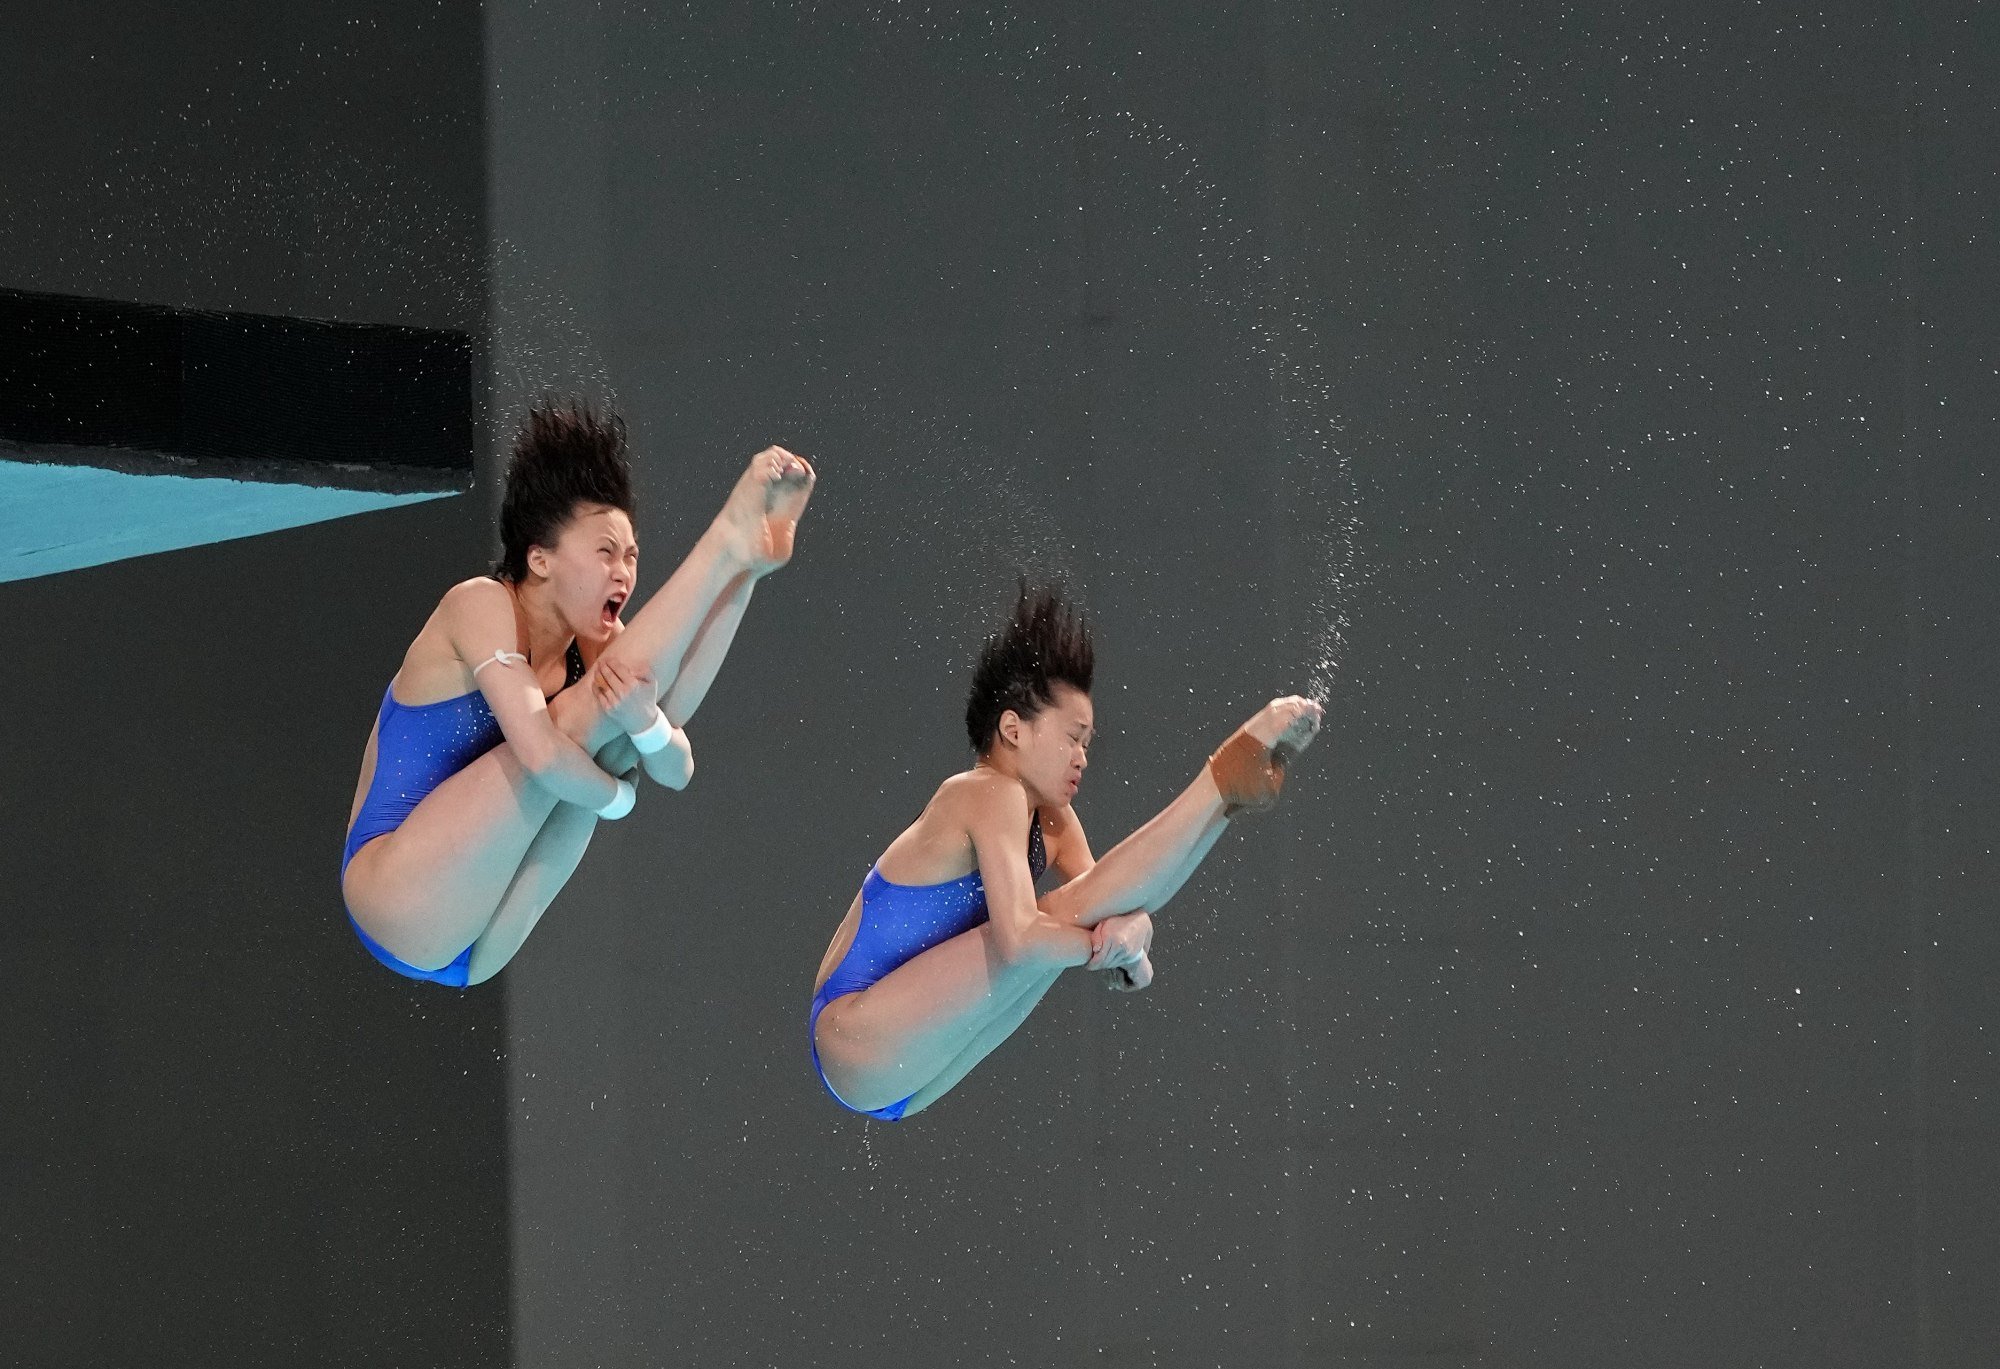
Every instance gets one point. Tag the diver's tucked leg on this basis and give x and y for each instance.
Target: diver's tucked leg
(1147, 867)
(551, 859)
(427, 890)
(1172, 879)
(889, 1040)
(660, 634)
(1003, 1025)
(684, 693)
(752, 536)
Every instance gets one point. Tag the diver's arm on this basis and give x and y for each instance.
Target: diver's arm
(997, 820)
(479, 623)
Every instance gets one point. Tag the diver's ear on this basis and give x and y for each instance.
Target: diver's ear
(1001, 732)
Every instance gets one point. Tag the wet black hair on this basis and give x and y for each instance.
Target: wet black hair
(565, 455)
(1046, 643)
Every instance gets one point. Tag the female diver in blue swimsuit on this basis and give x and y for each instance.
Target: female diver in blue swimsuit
(947, 947)
(478, 790)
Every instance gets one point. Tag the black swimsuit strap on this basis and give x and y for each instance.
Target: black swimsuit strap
(1038, 851)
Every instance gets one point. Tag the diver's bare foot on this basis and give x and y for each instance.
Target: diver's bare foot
(1287, 725)
(761, 517)
(1249, 769)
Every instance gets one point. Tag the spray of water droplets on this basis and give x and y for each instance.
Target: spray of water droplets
(540, 345)
(1231, 276)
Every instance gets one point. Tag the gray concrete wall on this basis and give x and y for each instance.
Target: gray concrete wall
(229, 1138)
(1572, 395)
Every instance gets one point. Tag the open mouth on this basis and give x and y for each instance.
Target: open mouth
(612, 608)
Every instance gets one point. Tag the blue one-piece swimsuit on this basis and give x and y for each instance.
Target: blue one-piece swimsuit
(898, 923)
(417, 748)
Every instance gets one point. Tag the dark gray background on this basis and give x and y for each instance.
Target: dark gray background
(1596, 404)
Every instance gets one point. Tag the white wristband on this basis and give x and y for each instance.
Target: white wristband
(658, 736)
(621, 803)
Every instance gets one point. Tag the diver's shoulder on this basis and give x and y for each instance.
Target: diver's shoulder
(984, 791)
(481, 592)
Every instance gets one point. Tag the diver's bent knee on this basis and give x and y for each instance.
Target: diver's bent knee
(574, 711)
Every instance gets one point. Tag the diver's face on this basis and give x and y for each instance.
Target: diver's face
(1054, 746)
(591, 569)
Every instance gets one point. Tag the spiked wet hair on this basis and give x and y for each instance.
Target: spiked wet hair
(565, 455)
(1046, 643)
